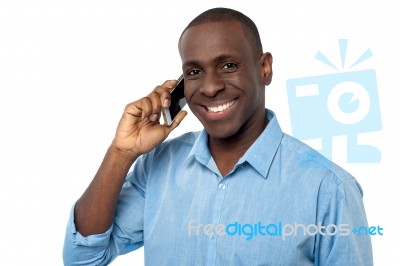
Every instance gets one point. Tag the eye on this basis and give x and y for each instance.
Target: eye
(229, 66)
(193, 72)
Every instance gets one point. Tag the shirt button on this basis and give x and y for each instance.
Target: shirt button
(221, 186)
(212, 236)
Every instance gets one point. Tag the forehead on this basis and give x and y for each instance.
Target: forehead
(210, 40)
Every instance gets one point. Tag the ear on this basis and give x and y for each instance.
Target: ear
(266, 64)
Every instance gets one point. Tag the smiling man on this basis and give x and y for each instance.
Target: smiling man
(240, 192)
(225, 78)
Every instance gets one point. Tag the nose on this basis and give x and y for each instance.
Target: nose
(212, 85)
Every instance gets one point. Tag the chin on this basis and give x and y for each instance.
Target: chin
(221, 131)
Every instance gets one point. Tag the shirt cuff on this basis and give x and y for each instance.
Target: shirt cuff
(96, 240)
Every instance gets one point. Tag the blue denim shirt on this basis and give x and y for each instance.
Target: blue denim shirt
(282, 204)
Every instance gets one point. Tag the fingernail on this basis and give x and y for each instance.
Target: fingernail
(166, 103)
(153, 117)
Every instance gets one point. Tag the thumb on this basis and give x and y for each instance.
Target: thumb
(178, 119)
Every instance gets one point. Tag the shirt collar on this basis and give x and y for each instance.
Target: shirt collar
(200, 149)
(260, 154)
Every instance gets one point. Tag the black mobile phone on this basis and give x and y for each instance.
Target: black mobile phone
(178, 101)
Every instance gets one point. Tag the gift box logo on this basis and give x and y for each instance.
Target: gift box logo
(344, 103)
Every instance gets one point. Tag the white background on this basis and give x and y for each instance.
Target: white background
(68, 68)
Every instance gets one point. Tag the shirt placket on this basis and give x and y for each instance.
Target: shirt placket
(221, 189)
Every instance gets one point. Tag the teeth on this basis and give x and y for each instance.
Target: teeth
(220, 108)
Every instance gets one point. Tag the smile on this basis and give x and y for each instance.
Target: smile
(220, 108)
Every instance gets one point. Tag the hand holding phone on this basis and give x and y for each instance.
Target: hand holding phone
(139, 129)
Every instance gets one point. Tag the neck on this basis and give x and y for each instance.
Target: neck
(238, 142)
(227, 151)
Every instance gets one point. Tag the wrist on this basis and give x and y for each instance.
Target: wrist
(122, 154)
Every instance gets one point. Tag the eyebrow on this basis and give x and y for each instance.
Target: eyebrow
(222, 58)
(216, 60)
(191, 63)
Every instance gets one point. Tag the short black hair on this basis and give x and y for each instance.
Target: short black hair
(221, 14)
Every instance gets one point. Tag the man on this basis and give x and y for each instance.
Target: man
(240, 192)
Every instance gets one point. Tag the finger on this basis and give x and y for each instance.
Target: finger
(178, 119)
(134, 109)
(165, 95)
(155, 105)
(169, 84)
(146, 107)
(164, 91)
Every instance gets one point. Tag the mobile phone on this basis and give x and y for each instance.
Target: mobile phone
(178, 101)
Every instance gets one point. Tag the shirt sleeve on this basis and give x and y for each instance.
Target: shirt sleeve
(342, 241)
(126, 233)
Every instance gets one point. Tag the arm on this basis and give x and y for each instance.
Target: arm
(138, 132)
(94, 211)
(345, 247)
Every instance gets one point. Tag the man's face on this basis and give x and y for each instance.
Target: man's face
(224, 81)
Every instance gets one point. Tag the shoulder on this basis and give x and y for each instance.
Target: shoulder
(306, 159)
(181, 143)
(172, 149)
(330, 183)
(187, 138)
(165, 155)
